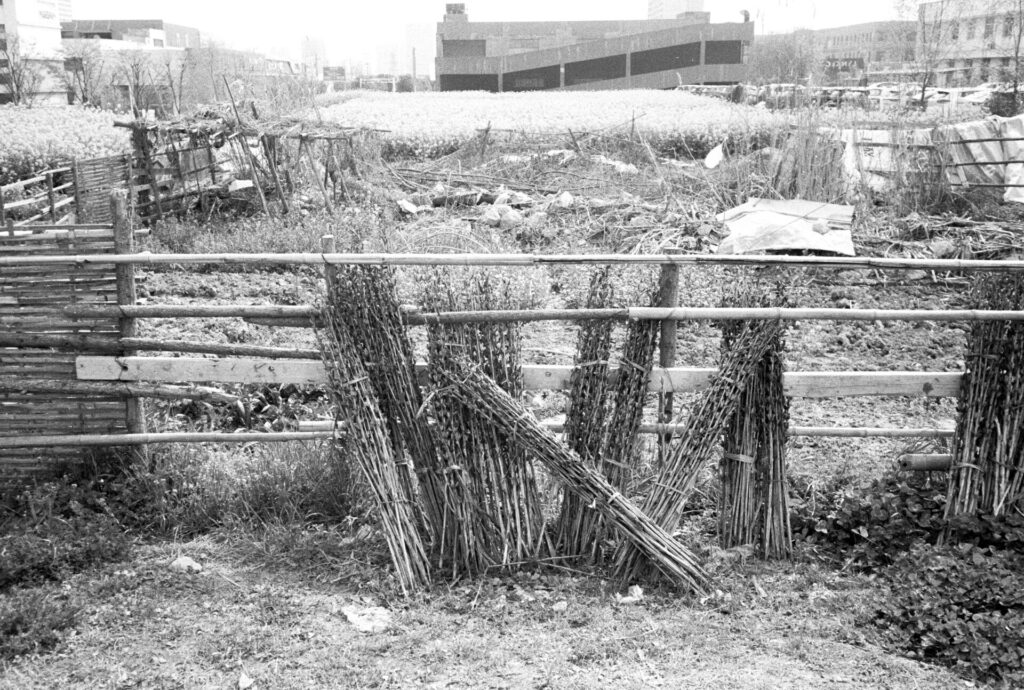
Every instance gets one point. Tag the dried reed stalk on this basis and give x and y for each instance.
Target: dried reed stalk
(754, 500)
(368, 442)
(585, 417)
(701, 435)
(492, 515)
(364, 298)
(988, 448)
(477, 392)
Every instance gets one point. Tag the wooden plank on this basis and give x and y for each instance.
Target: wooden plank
(535, 377)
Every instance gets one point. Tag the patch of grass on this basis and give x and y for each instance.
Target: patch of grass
(189, 489)
(33, 621)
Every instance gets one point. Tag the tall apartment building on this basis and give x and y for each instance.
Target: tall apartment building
(670, 9)
(531, 56)
(35, 25)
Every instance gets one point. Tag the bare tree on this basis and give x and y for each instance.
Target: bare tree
(85, 73)
(135, 69)
(176, 67)
(24, 73)
(938, 27)
(788, 58)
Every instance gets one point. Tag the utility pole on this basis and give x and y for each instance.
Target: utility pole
(414, 68)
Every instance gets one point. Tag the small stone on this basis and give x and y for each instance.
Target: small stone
(560, 606)
(184, 564)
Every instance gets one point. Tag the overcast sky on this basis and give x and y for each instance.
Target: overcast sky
(360, 29)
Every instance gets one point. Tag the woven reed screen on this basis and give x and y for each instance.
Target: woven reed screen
(95, 179)
(31, 301)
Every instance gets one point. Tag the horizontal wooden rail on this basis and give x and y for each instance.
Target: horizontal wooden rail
(315, 259)
(128, 389)
(807, 431)
(412, 317)
(535, 377)
(102, 440)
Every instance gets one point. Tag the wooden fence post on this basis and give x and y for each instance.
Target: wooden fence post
(668, 296)
(329, 245)
(76, 180)
(51, 198)
(124, 243)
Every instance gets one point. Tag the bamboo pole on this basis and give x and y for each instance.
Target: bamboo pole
(415, 317)
(804, 431)
(933, 462)
(117, 388)
(95, 343)
(93, 440)
(304, 145)
(879, 263)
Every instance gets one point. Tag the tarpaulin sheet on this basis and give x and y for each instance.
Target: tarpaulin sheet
(767, 225)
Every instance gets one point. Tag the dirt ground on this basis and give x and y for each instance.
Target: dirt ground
(272, 616)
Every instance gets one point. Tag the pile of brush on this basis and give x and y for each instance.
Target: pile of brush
(753, 507)
(453, 472)
(988, 447)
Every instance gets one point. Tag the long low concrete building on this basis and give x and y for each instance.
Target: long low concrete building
(534, 56)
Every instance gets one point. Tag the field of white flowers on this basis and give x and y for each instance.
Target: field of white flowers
(673, 121)
(33, 139)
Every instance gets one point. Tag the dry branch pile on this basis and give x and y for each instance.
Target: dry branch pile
(988, 448)
(478, 392)
(754, 501)
(492, 516)
(700, 437)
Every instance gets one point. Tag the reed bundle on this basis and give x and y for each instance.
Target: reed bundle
(585, 416)
(491, 508)
(653, 544)
(701, 435)
(754, 499)
(364, 298)
(368, 442)
(988, 447)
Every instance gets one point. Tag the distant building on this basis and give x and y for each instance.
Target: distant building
(866, 51)
(531, 56)
(149, 33)
(35, 26)
(968, 41)
(64, 11)
(843, 55)
(670, 9)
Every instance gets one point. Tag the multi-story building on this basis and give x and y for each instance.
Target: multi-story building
(148, 33)
(670, 9)
(865, 51)
(30, 35)
(966, 42)
(532, 56)
(844, 55)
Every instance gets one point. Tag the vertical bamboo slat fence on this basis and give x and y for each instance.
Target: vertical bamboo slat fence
(32, 301)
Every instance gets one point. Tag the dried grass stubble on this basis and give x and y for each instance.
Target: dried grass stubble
(653, 544)
(701, 435)
(368, 442)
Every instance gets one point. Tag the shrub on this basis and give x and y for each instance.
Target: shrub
(960, 606)
(873, 526)
(32, 621)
